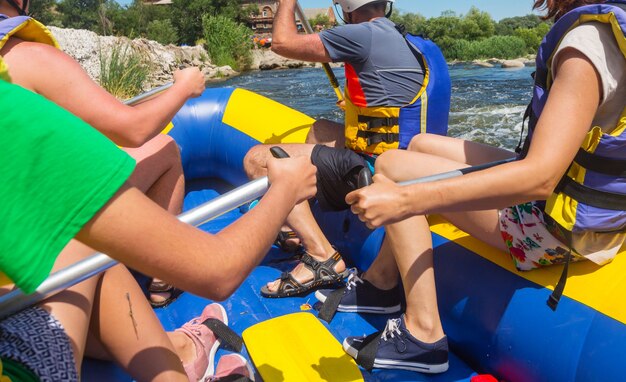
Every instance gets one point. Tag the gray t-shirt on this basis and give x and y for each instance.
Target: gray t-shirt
(389, 72)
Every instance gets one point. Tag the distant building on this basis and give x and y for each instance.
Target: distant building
(261, 21)
(157, 2)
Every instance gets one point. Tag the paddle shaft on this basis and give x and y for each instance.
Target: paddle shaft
(365, 176)
(17, 300)
(148, 94)
(329, 72)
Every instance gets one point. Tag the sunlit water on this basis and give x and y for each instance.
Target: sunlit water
(487, 103)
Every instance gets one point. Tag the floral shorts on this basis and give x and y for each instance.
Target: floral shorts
(531, 241)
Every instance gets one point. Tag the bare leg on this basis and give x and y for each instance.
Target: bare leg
(159, 175)
(301, 219)
(410, 240)
(126, 327)
(73, 306)
(458, 150)
(325, 132)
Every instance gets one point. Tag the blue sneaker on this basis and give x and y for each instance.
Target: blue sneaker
(361, 296)
(396, 348)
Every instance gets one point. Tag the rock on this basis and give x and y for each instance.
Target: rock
(87, 48)
(482, 63)
(513, 64)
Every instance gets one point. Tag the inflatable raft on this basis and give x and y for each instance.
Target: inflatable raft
(496, 318)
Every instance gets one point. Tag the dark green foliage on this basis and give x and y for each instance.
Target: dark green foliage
(45, 12)
(322, 21)
(532, 37)
(507, 26)
(227, 42)
(162, 31)
(187, 15)
(495, 46)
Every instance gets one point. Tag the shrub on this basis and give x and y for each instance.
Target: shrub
(123, 72)
(496, 46)
(162, 31)
(228, 42)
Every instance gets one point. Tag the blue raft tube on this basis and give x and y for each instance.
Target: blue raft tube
(496, 318)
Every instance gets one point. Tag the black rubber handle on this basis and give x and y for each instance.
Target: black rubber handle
(365, 177)
(278, 152)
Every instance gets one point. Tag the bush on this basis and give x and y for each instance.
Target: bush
(162, 31)
(228, 42)
(124, 72)
(496, 46)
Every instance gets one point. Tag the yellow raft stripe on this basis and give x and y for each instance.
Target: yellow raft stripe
(600, 287)
(297, 347)
(277, 123)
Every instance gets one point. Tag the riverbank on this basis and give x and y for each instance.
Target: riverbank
(88, 48)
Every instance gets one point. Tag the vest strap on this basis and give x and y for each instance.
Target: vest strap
(374, 138)
(378, 122)
(600, 164)
(590, 196)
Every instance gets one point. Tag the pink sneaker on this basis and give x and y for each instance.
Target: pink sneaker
(233, 367)
(205, 341)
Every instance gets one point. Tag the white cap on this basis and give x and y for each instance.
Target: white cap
(349, 6)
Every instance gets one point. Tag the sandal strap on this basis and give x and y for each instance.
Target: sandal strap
(367, 353)
(330, 306)
(159, 287)
(322, 269)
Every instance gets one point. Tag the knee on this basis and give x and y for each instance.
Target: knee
(385, 162)
(170, 150)
(255, 161)
(420, 143)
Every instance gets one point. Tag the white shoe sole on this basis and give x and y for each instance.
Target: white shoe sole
(403, 365)
(361, 309)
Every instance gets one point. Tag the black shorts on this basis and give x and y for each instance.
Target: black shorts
(337, 175)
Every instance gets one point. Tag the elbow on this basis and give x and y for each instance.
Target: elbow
(133, 141)
(546, 187)
(221, 291)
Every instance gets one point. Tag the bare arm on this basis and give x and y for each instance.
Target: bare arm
(135, 231)
(288, 43)
(571, 106)
(55, 75)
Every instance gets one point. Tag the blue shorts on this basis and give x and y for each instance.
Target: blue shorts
(37, 341)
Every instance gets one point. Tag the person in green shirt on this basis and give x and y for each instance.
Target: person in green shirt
(61, 179)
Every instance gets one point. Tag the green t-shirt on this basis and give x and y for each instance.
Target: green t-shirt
(56, 173)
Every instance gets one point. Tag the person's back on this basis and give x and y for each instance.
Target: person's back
(388, 80)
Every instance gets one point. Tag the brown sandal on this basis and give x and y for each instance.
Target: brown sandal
(324, 274)
(163, 287)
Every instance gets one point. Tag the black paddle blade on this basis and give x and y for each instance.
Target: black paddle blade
(278, 152)
(365, 177)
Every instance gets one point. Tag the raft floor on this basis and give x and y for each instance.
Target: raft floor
(246, 307)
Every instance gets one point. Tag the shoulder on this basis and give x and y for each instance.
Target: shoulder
(32, 51)
(597, 42)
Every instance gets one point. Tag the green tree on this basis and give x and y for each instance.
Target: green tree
(413, 22)
(162, 31)
(532, 36)
(476, 25)
(444, 30)
(322, 21)
(508, 26)
(187, 15)
(79, 14)
(227, 41)
(134, 20)
(45, 11)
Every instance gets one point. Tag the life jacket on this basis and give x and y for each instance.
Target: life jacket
(591, 197)
(25, 28)
(374, 130)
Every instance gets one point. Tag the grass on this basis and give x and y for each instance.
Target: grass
(124, 72)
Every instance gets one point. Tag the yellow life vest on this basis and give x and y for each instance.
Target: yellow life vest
(25, 28)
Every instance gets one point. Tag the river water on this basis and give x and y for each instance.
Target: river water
(487, 103)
